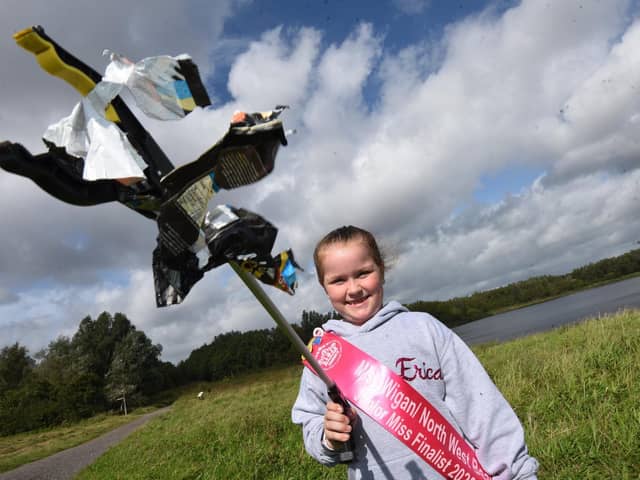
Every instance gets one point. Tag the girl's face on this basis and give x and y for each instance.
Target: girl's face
(352, 280)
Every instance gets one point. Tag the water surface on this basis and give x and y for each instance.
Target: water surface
(554, 313)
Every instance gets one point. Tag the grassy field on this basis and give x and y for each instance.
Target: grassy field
(576, 390)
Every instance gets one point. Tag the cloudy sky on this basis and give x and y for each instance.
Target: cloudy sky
(482, 142)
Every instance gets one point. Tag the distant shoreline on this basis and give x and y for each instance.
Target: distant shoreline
(605, 298)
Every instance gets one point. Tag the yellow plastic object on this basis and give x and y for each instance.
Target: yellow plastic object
(50, 61)
(187, 104)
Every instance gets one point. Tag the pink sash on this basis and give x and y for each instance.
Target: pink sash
(398, 407)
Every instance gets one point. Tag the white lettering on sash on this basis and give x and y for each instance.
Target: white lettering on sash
(435, 456)
(397, 425)
(437, 429)
(398, 398)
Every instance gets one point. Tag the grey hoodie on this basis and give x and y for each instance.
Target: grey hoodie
(437, 363)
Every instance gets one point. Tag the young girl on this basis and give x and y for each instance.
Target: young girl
(425, 353)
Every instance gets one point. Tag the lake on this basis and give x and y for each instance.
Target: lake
(554, 313)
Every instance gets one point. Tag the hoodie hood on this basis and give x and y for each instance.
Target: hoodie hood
(345, 329)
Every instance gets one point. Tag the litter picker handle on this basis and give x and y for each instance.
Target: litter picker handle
(346, 454)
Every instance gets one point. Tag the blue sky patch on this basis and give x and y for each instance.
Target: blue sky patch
(337, 20)
(510, 180)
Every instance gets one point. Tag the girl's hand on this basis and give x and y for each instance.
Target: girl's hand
(337, 426)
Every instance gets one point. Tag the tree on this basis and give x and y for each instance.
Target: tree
(57, 361)
(135, 370)
(94, 344)
(96, 340)
(15, 366)
(77, 390)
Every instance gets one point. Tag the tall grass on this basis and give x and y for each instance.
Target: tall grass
(576, 390)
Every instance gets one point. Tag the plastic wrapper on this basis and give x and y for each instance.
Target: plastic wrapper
(105, 148)
(163, 87)
(243, 156)
(231, 235)
(279, 271)
(58, 174)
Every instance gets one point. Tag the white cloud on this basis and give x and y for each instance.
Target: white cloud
(545, 230)
(273, 71)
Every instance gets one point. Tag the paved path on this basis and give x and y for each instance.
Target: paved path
(64, 465)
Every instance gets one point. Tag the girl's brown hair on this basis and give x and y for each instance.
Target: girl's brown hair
(345, 234)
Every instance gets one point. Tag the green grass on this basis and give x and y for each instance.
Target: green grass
(241, 429)
(576, 390)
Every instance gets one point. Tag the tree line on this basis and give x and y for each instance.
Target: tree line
(234, 353)
(107, 362)
(108, 359)
(460, 310)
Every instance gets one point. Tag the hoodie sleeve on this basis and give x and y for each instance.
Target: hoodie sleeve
(308, 411)
(487, 420)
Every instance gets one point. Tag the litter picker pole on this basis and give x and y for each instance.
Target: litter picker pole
(346, 453)
(253, 285)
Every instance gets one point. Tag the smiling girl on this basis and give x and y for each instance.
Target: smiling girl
(420, 349)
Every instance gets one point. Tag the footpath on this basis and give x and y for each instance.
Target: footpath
(66, 464)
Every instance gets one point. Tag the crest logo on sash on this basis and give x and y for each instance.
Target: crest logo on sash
(329, 354)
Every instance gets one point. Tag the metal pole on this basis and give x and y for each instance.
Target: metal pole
(253, 285)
